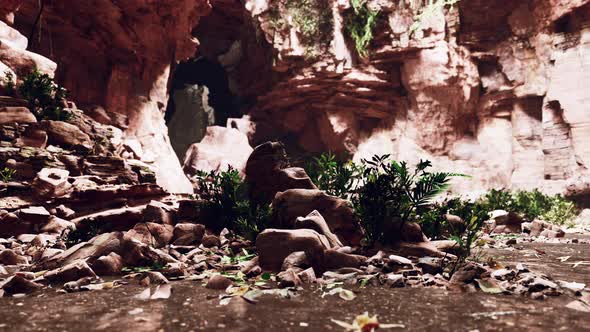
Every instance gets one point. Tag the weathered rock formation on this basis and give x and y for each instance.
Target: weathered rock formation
(495, 89)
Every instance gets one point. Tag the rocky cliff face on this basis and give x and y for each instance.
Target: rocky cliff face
(117, 56)
(495, 89)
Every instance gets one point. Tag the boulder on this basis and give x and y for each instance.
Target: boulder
(108, 265)
(12, 225)
(9, 257)
(274, 245)
(57, 225)
(66, 135)
(34, 215)
(315, 221)
(159, 212)
(70, 272)
(115, 219)
(186, 234)
(32, 137)
(20, 115)
(334, 259)
(51, 183)
(155, 235)
(337, 212)
(64, 212)
(297, 260)
(220, 149)
(136, 253)
(99, 245)
(505, 222)
(20, 285)
(267, 173)
(210, 240)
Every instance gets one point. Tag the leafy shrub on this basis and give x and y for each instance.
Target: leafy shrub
(391, 193)
(225, 197)
(6, 174)
(433, 7)
(359, 23)
(335, 177)
(44, 96)
(530, 205)
(561, 211)
(8, 83)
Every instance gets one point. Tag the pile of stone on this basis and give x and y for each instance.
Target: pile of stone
(504, 222)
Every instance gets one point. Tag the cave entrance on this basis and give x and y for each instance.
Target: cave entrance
(199, 97)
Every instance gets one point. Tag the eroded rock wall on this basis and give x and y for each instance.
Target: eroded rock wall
(117, 55)
(495, 89)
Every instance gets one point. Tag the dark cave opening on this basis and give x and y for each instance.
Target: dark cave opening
(199, 97)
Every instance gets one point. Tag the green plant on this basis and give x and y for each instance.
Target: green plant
(6, 174)
(225, 198)
(44, 96)
(433, 7)
(391, 193)
(312, 19)
(466, 241)
(8, 82)
(335, 177)
(359, 23)
(83, 234)
(561, 211)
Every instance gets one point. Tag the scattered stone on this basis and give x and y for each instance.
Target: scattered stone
(210, 240)
(398, 260)
(218, 282)
(274, 245)
(19, 285)
(75, 286)
(108, 265)
(9, 257)
(34, 214)
(56, 225)
(430, 265)
(51, 183)
(503, 274)
(186, 234)
(289, 278)
(70, 272)
(9, 115)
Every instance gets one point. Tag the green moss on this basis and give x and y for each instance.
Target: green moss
(359, 23)
(44, 96)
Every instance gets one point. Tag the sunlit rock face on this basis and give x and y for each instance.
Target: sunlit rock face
(494, 89)
(117, 54)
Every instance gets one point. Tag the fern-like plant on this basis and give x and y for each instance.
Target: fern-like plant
(225, 200)
(359, 24)
(335, 177)
(391, 193)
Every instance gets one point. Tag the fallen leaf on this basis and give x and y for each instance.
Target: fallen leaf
(564, 258)
(162, 292)
(225, 300)
(489, 286)
(365, 323)
(347, 295)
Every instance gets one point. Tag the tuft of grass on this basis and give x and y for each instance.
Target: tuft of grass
(6, 174)
(359, 23)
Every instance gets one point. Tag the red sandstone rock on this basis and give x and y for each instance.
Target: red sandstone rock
(16, 115)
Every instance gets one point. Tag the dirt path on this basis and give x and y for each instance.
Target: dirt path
(193, 307)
